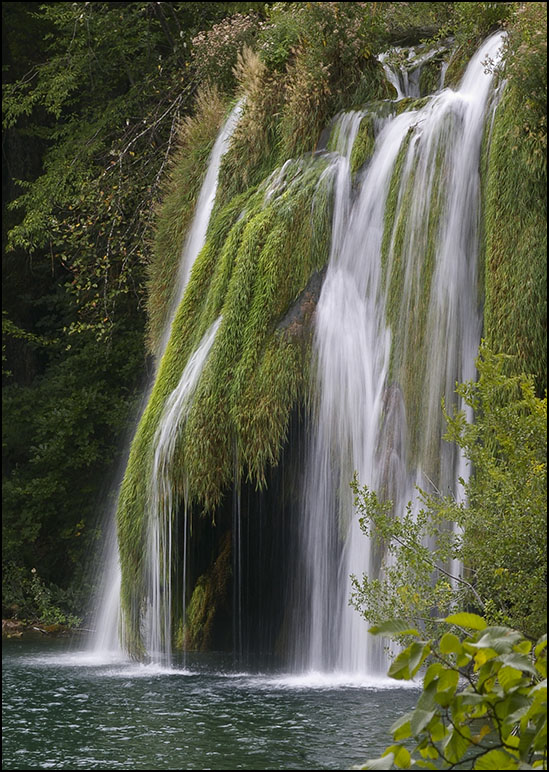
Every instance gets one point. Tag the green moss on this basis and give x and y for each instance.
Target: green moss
(210, 599)
(515, 316)
(181, 189)
(429, 77)
(259, 254)
(410, 103)
(364, 143)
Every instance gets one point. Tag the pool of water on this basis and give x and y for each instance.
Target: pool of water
(65, 709)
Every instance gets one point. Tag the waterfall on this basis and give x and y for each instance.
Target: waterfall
(105, 640)
(406, 77)
(196, 236)
(397, 325)
(162, 505)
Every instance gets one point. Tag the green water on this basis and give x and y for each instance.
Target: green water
(63, 710)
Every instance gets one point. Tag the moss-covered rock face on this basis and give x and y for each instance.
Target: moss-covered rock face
(516, 244)
(261, 250)
(210, 600)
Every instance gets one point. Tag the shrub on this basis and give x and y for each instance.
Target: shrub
(501, 535)
(484, 699)
(215, 51)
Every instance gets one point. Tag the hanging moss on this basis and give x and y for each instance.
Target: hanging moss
(210, 601)
(515, 318)
(260, 251)
(182, 184)
(272, 265)
(364, 143)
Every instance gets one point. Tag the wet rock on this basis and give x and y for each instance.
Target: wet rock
(297, 321)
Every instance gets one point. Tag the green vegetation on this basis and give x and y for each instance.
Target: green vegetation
(259, 255)
(93, 97)
(516, 203)
(484, 699)
(503, 572)
(110, 112)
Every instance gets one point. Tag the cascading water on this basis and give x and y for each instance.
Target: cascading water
(105, 640)
(397, 324)
(162, 505)
(406, 78)
(197, 232)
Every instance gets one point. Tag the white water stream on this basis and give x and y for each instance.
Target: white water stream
(359, 418)
(105, 641)
(162, 505)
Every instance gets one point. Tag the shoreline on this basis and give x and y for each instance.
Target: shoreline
(17, 628)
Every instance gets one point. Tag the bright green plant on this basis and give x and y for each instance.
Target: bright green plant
(484, 699)
(501, 534)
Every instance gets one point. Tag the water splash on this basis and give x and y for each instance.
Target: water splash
(403, 67)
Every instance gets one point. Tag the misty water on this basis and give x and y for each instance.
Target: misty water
(64, 709)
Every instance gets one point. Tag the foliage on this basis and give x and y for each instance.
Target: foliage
(97, 99)
(484, 699)
(491, 535)
(526, 71)
(93, 97)
(312, 60)
(260, 252)
(28, 599)
(181, 186)
(334, 59)
(215, 51)
(516, 202)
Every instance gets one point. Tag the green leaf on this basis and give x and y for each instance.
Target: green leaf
(540, 740)
(524, 647)
(519, 662)
(428, 751)
(431, 673)
(393, 627)
(541, 645)
(402, 758)
(401, 727)
(509, 677)
(448, 681)
(408, 662)
(450, 643)
(496, 759)
(465, 619)
(525, 742)
(457, 744)
(420, 719)
(501, 639)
